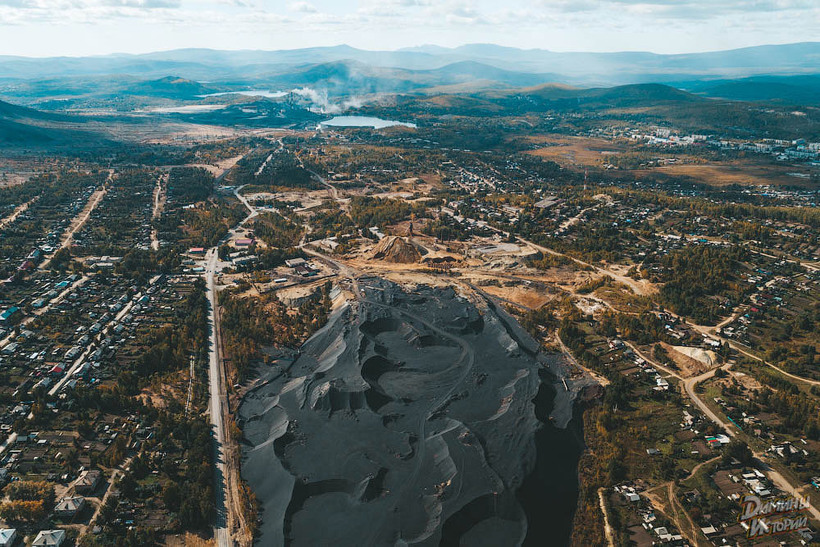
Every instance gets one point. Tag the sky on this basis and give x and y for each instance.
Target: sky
(40, 28)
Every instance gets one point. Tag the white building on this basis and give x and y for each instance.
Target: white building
(8, 536)
(49, 538)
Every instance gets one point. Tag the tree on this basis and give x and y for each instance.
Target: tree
(61, 259)
(616, 471)
(172, 497)
(23, 511)
(666, 468)
(127, 486)
(31, 491)
(738, 450)
(224, 252)
(29, 501)
(108, 511)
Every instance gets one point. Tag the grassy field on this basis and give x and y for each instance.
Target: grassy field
(744, 172)
(579, 150)
(595, 152)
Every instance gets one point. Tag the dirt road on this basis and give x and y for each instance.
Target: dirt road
(160, 195)
(56, 300)
(19, 210)
(610, 536)
(252, 212)
(712, 331)
(739, 349)
(774, 475)
(80, 220)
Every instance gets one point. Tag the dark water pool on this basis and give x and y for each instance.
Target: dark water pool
(549, 495)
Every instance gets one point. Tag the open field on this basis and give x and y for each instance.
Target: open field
(592, 152)
(579, 151)
(741, 172)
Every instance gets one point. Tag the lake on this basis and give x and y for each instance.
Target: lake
(363, 121)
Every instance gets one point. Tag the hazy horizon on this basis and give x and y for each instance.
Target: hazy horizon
(40, 28)
(397, 49)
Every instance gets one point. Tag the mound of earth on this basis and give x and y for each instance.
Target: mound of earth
(397, 250)
(409, 419)
(704, 357)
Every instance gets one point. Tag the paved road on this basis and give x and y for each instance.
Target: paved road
(689, 385)
(216, 406)
(689, 388)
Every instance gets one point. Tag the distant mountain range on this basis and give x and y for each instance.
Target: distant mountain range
(28, 127)
(292, 86)
(780, 89)
(335, 81)
(543, 98)
(576, 68)
(22, 127)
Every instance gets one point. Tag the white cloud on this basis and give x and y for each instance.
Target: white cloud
(657, 25)
(302, 7)
(69, 5)
(142, 4)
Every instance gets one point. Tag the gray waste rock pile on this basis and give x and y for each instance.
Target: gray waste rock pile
(407, 420)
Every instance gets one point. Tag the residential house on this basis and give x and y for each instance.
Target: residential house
(69, 507)
(49, 538)
(8, 537)
(88, 481)
(8, 315)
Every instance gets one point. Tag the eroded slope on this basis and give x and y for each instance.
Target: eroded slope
(405, 411)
